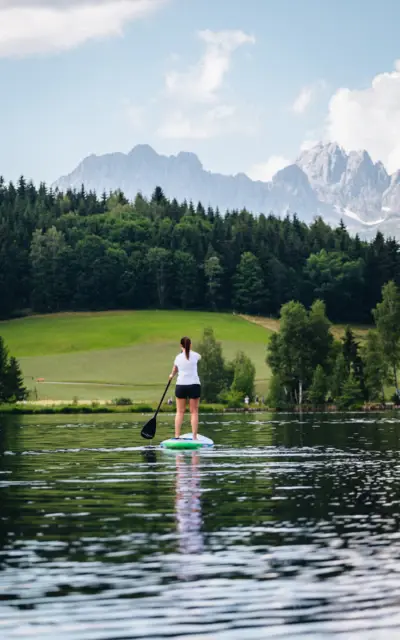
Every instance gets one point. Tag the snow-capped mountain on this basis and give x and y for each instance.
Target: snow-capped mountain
(350, 182)
(324, 180)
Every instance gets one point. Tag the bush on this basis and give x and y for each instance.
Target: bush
(351, 396)
(232, 399)
(122, 402)
(244, 375)
(142, 408)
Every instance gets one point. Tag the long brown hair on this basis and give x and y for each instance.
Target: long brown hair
(186, 344)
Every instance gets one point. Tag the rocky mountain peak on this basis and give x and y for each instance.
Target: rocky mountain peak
(189, 159)
(143, 151)
(324, 163)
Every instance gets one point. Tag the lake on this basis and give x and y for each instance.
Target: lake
(288, 528)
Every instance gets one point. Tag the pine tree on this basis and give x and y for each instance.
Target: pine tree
(339, 375)
(214, 273)
(350, 348)
(3, 370)
(351, 395)
(249, 286)
(353, 360)
(158, 196)
(14, 382)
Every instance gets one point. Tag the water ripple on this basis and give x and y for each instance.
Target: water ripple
(288, 528)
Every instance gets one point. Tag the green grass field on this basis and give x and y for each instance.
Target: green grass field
(101, 356)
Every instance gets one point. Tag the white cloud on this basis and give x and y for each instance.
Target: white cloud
(369, 118)
(307, 96)
(41, 26)
(202, 81)
(196, 107)
(265, 171)
(205, 125)
(303, 100)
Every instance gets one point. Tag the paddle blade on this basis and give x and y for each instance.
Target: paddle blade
(149, 429)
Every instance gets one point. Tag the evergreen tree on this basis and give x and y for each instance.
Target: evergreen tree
(211, 367)
(248, 286)
(14, 382)
(353, 360)
(339, 375)
(351, 396)
(185, 279)
(11, 380)
(160, 263)
(214, 273)
(158, 196)
(3, 370)
(79, 251)
(350, 348)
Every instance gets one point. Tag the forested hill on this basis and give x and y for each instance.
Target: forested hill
(77, 251)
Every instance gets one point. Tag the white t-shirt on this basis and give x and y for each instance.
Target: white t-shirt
(187, 369)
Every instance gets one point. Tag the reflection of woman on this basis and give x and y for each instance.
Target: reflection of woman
(187, 504)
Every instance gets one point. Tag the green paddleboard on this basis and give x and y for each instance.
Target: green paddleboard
(186, 442)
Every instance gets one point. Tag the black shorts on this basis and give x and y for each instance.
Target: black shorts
(185, 391)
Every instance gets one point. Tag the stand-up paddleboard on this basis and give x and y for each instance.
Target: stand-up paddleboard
(186, 442)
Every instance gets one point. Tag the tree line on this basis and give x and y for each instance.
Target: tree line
(81, 251)
(311, 367)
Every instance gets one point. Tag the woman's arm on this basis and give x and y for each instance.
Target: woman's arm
(173, 372)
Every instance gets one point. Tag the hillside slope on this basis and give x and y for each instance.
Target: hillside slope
(101, 356)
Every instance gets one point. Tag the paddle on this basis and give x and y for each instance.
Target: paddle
(149, 429)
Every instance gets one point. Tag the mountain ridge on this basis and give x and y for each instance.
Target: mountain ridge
(324, 180)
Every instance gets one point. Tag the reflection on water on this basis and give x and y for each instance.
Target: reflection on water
(187, 502)
(287, 528)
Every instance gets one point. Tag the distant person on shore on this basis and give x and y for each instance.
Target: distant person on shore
(188, 386)
(247, 400)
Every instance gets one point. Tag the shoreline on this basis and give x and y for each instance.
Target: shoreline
(58, 407)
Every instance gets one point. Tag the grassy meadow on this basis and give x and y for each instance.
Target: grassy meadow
(101, 356)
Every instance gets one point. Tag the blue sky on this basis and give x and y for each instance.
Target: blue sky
(245, 84)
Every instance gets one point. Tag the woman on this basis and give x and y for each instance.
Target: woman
(187, 386)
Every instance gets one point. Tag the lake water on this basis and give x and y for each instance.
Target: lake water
(288, 528)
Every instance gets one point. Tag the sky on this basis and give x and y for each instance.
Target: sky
(244, 84)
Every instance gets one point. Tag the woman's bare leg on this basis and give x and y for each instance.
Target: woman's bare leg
(180, 414)
(194, 416)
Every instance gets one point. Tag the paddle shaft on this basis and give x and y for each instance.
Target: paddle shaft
(161, 401)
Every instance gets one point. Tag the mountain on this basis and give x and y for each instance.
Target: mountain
(324, 180)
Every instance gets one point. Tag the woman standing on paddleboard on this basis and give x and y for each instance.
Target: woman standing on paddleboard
(187, 386)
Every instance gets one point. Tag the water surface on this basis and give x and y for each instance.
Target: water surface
(288, 528)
